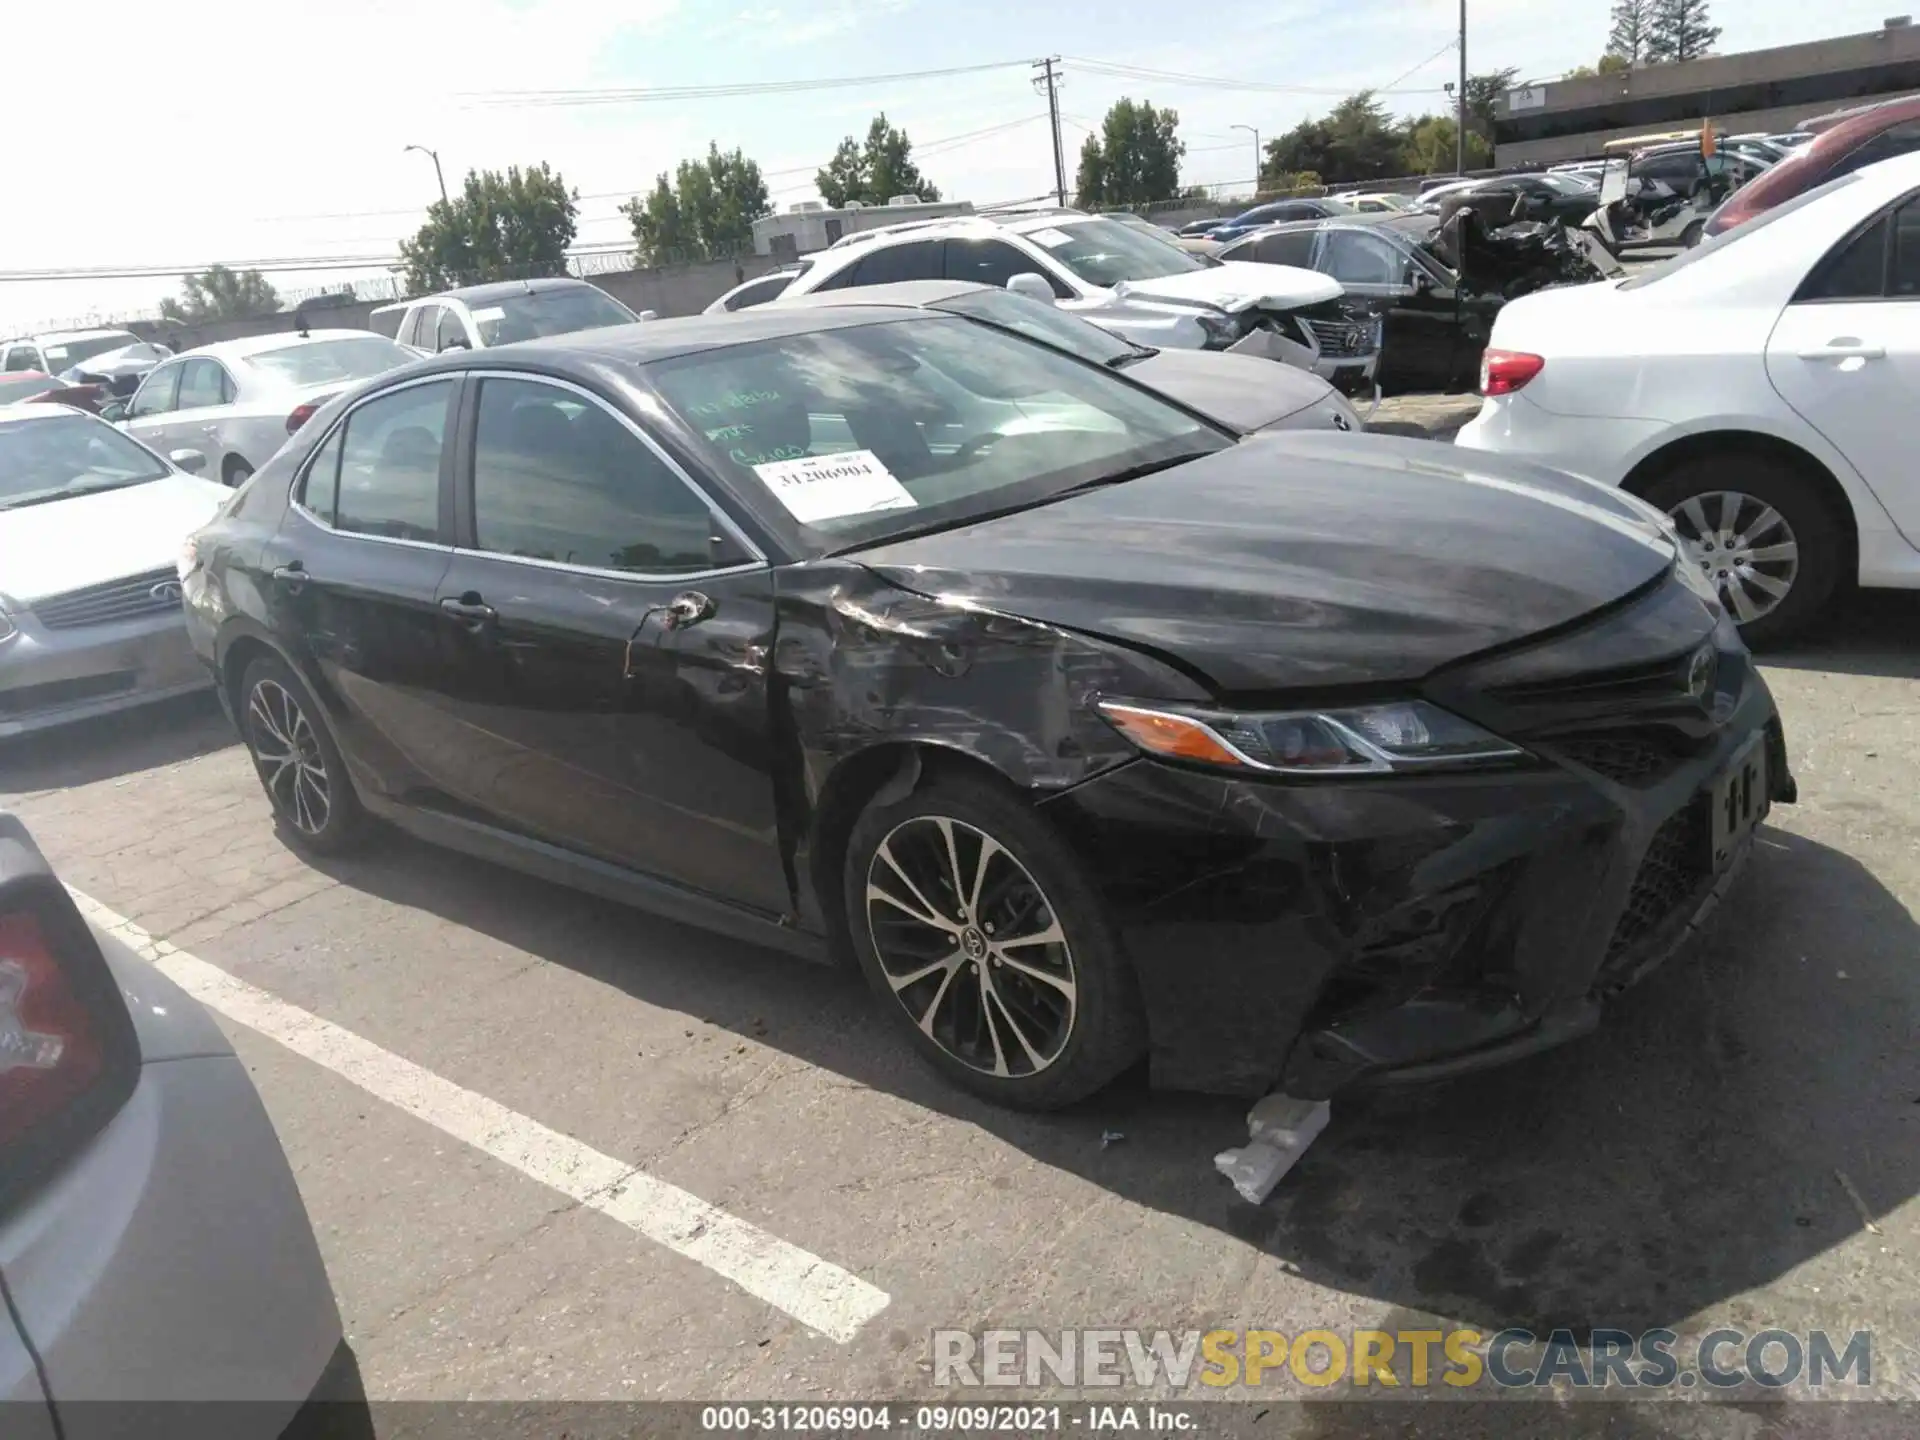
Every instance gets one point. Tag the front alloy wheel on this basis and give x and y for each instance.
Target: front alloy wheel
(1744, 546)
(971, 947)
(286, 751)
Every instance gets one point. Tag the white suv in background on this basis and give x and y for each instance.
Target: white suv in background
(1124, 279)
(477, 316)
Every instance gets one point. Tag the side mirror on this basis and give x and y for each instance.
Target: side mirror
(191, 461)
(458, 343)
(1034, 287)
(114, 411)
(648, 315)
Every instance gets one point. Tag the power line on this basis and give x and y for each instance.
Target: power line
(643, 95)
(1387, 89)
(1179, 77)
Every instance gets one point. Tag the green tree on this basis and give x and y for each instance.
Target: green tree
(1430, 148)
(1612, 64)
(1355, 141)
(1627, 37)
(1482, 91)
(1679, 30)
(1134, 160)
(515, 226)
(705, 212)
(218, 293)
(874, 172)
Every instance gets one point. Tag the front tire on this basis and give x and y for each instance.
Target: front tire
(987, 942)
(298, 763)
(1767, 539)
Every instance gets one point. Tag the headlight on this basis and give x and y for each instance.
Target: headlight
(1365, 740)
(1220, 330)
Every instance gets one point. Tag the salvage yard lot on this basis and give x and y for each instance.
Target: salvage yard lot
(1682, 1167)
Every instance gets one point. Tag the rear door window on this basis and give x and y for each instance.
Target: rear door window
(155, 396)
(22, 357)
(202, 385)
(916, 260)
(390, 463)
(994, 262)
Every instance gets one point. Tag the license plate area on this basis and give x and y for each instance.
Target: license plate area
(1738, 799)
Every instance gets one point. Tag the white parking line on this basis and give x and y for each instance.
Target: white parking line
(813, 1291)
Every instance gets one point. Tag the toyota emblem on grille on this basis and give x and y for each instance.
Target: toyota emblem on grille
(1356, 341)
(1700, 670)
(166, 590)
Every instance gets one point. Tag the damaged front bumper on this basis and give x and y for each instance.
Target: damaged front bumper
(1341, 346)
(1310, 937)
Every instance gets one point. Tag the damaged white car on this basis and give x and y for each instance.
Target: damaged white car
(1126, 280)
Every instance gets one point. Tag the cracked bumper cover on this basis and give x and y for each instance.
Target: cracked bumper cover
(1317, 936)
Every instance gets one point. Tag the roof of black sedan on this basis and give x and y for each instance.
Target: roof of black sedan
(649, 340)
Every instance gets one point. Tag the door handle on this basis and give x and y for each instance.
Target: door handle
(689, 607)
(292, 575)
(1844, 350)
(470, 610)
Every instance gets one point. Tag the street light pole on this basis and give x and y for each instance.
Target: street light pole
(1256, 155)
(434, 155)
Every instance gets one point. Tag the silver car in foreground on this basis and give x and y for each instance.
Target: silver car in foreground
(1238, 391)
(153, 1243)
(91, 529)
(234, 403)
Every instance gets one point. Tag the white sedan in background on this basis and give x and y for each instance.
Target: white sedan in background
(1759, 389)
(222, 410)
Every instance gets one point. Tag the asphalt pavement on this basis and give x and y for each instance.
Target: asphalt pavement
(555, 1149)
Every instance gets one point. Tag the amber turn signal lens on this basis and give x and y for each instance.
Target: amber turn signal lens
(1174, 736)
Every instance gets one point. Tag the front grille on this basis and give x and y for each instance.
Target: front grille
(1671, 874)
(114, 600)
(1629, 757)
(1658, 680)
(1342, 339)
(32, 699)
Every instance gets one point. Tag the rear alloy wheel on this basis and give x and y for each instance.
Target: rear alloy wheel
(1762, 536)
(976, 926)
(298, 764)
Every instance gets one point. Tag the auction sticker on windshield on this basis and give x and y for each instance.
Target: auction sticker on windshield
(490, 312)
(830, 487)
(1052, 239)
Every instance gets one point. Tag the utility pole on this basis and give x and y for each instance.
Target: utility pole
(1460, 125)
(1051, 79)
(434, 155)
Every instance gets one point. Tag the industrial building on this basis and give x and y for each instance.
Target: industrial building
(1758, 90)
(808, 225)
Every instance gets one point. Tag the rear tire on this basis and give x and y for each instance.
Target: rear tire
(1783, 509)
(236, 472)
(1022, 1021)
(298, 763)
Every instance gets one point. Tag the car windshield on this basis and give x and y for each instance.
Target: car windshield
(1565, 184)
(1105, 252)
(1045, 323)
(864, 433)
(1714, 244)
(559, 311)
(65, 354)
(59, 455)
(319, 362)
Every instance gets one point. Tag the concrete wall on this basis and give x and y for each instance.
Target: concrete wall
(674, 290)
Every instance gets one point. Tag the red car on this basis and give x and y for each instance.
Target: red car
(22, 386)
(1843, 142)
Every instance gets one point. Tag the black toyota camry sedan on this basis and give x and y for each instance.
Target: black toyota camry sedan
(1088, 730)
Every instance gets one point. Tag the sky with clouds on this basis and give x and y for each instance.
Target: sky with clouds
(235, 130)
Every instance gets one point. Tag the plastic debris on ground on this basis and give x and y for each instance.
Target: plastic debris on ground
(1279, 1130)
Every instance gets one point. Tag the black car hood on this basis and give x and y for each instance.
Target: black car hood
(1242, 391)
(1304, 560)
